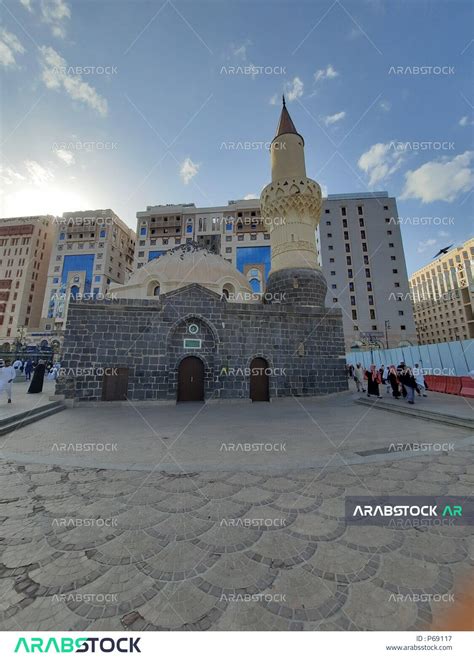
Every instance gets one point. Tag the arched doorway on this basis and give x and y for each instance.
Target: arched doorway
(191, 379)
(259, 382)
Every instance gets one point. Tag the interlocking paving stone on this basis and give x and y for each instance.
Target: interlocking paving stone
(84, 549)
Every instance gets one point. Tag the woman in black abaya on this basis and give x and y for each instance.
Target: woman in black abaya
(36, 384)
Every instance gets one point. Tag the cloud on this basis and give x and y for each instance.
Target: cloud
(55, 13)
(248, 197)
(9, 47)
(333, 118)
(55, 77)
(240, 51)
(379, 162)
(465, 120)
(294, 89)
(443, 233)
(385, 105)
(9, 176)
(325, 73)
(27, 4)
(422, 246)
(274, 100)
(65, 156)
(188, 170)
(441, 180)
(38, 174)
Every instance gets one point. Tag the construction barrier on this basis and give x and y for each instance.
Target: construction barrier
(453, 385)
(467, 387)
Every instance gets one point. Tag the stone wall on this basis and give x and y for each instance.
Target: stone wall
(304, 345)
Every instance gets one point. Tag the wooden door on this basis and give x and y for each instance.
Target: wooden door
(191, 379)
(259, 382)
(115, 384)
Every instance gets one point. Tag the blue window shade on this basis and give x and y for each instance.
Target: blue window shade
(61, 236)
(74, 292)
(189, 229)
(55, 280)
(80, 262)
(96, 279)
(155, 254)
(254, 255)
(143, 231)
(96, 291)
(255, 285)
(102, 233)
(228, 226)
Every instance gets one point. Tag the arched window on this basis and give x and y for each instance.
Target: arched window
(255, 285)
(156, 291)
(228, 290)
(74, 292)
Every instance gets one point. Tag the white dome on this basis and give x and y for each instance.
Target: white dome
(183, 266)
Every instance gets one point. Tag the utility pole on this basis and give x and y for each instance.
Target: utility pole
(387, 326)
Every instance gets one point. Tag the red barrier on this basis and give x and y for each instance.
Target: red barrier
(439, 383)
(429, 380)
(467, 386)
(453, 385)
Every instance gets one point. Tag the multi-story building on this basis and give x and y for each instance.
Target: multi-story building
(235, 231)
(443, 296)
(359, 245)
(361, 252)
(25, 248)
(91, 249)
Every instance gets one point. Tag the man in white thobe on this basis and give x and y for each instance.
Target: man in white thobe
(7, 374)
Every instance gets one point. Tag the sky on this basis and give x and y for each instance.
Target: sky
(122, 105)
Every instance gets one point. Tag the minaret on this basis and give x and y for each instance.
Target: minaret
(291, 207)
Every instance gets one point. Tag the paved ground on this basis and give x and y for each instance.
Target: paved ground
(297, 432)
(21, 401)
(187, 536)
(224, 551)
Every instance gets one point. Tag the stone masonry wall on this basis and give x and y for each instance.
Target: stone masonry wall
(304, 345)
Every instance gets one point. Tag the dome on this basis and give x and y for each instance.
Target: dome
(182, 266)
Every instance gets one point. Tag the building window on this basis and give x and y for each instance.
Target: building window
(400, 312)
(351, 286)
(369, 286)
(360, 210)
(348, 248)
(343, 211)
(354, 314)
(367, 273)
(403, 328)
(361, 221)
(348, 260)
(394, 271)
(344, 223)
(346, 235)
(371, 300)
(391, 245)
(353, 301)
(349, 273)
(362, 234)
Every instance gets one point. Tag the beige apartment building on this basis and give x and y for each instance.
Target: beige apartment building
(359, 246)
(91, 250)
(442, 293)
(25, 249)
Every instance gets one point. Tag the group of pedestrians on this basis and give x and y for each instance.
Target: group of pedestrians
(401, 381)
(34, 374)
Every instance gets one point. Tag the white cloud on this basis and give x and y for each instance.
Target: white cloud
(325, 73)
(294, 89)
(334, 118)
(38, 174)
(250, 196)
(27, 4)
(443, 233)
(240, 51)
(385, 105)
(65, 156)
(9, 176)
(9, 47)
(379, 162)
(441, 180)
(422, 246)
(188, 170)
(55, 13)
(274, 100)
(465, 120)
(54, 76)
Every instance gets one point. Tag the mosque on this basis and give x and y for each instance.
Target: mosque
(188, 327)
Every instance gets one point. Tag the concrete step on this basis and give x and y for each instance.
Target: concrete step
(415, 411)
(9, 424)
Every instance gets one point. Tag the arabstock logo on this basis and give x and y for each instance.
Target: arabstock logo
(87, 644)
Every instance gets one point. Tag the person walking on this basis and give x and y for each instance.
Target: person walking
(36, 384)
(420, 380)
(28, 369)
(373, 380)
(393, 381)
(7, 374)
(408, 381)
(386, 379)
(359, 378)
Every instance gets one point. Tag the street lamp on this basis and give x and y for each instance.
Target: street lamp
(387, 326)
